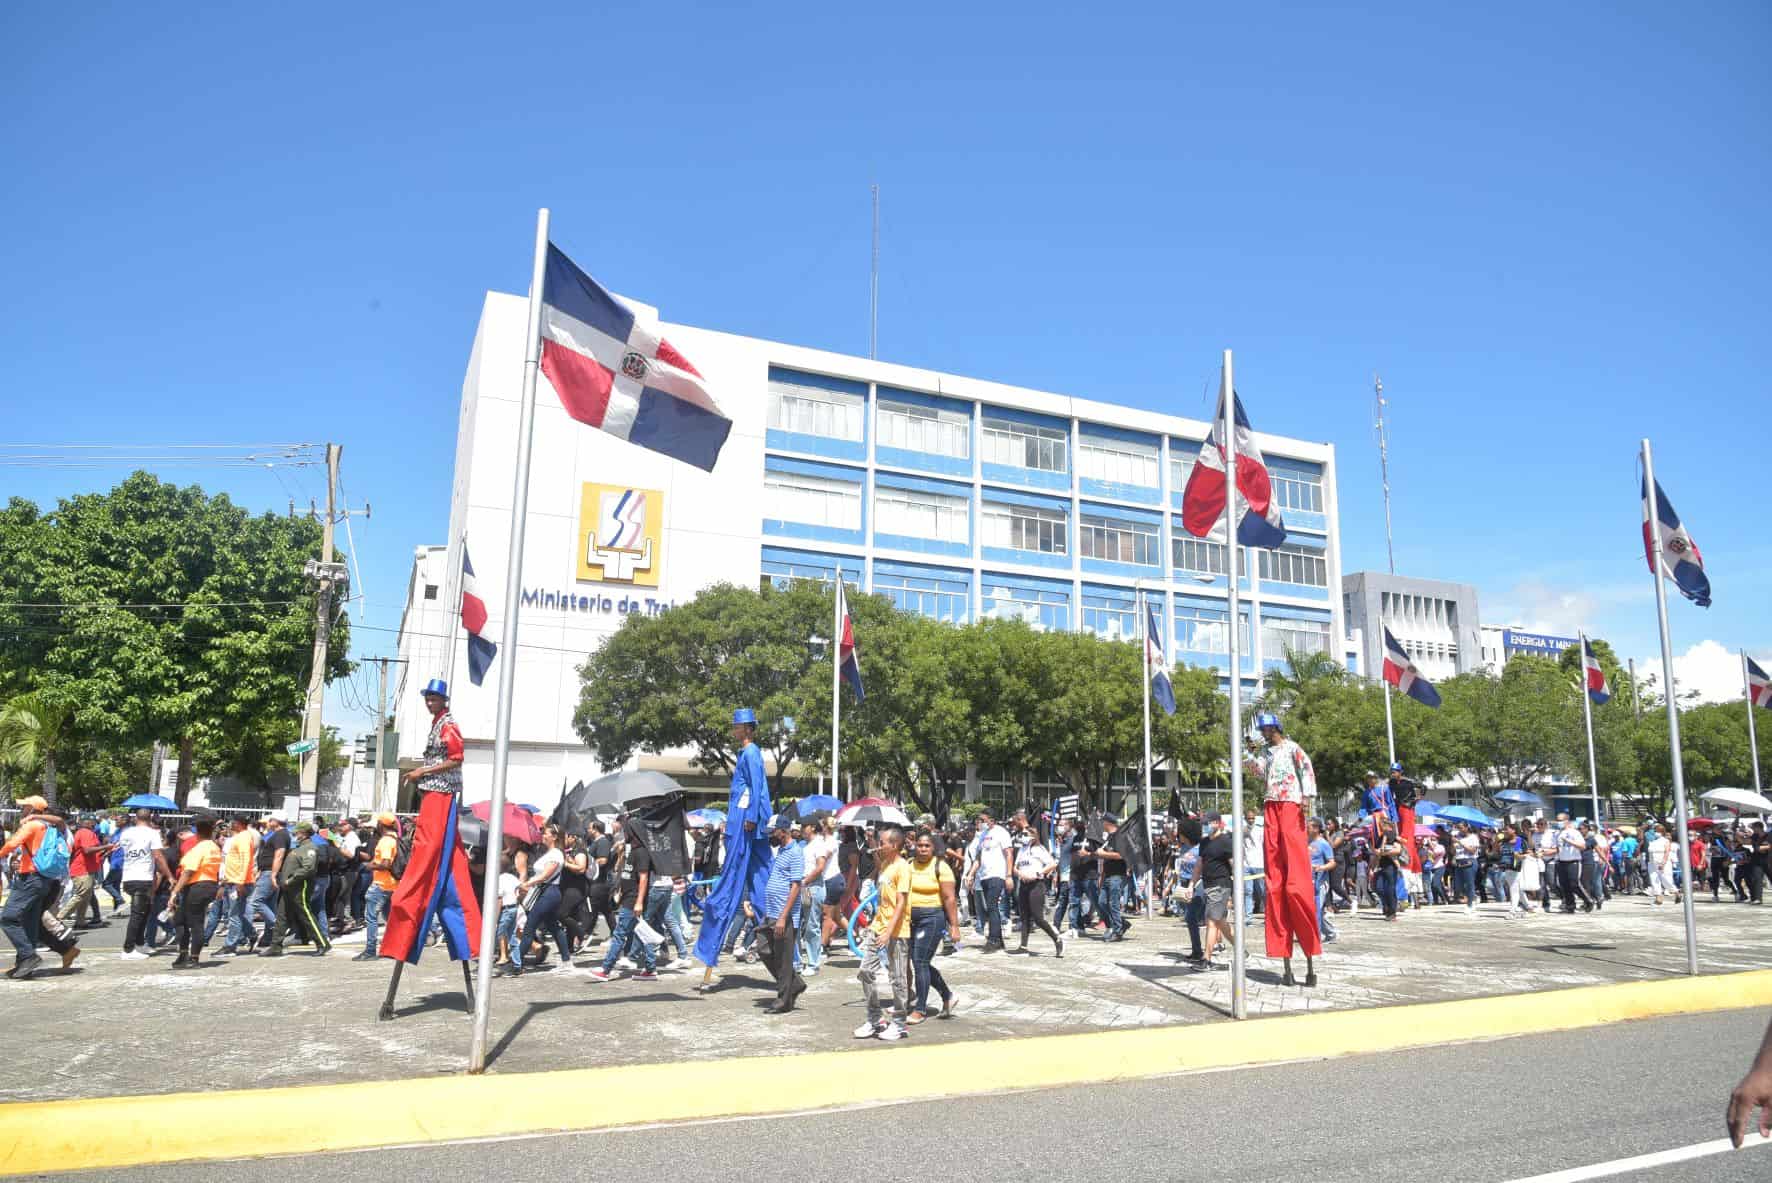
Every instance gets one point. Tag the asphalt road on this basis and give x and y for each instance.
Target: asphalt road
(1478, 1112)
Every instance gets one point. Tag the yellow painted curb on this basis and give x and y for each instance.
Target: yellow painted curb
(52, 1136)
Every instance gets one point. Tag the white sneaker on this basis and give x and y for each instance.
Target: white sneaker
(890, 1033)
(625, 963)
(134, 955)
(867, 1030)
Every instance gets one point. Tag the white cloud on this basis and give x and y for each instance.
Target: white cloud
(1707, 667)
(1538, 607)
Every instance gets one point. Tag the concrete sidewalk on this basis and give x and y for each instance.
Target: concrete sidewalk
(136, 1027)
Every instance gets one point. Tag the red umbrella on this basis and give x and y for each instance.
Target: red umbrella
(519, 822)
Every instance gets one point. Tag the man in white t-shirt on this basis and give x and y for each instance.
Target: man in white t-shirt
(144, 856)
(989, 859)
(1660, 862)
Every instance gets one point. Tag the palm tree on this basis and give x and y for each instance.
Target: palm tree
(32, 729)
(1301, 671)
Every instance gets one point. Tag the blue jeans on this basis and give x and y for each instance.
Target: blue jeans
(993, 906)
(375, 910)
(812, 926)
(544, 919)
(1116, 905)
(264, 901)
(1195, 914)
(360, 893)
(22, 917)
(1254, 894)
(928, 926)
(1464, 881)
(218, 908)
(317, 901)
(675, 919)
(507, 925)
(653, 911)
(240, 930)
(1085, 900)
(1325, 928)
(624, 932)
(1496, 884)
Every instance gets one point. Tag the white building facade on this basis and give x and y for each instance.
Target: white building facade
(957, 498)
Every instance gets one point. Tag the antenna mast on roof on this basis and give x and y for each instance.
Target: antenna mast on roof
(1384, 469)
(874, 285)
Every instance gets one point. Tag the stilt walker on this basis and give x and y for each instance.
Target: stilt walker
(748, 853)
(1291, 783)
(437, 885)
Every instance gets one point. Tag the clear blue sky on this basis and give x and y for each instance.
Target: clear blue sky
(1544, 225)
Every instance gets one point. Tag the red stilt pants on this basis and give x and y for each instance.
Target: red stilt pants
(1291, 891)
(1406, 834)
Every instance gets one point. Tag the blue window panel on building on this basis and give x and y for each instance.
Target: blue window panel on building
(1299, 567)
(1017, 528)
(783, 567)
(1021, 448)
(918, 514)
(1202, 637)
(936, 592)
(1183, 455)
(812, 500)
(1301, 630)
(1114, 462)
(922, 431)
(1112, 612)
(1114, 540)
(1044, 604)
(818, 414)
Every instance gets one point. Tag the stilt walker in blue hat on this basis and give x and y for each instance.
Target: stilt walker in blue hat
(436, 885)
(748, 855)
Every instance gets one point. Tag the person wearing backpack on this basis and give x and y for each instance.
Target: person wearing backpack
(41, 840)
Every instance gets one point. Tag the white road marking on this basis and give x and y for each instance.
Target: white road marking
(1643, 1162)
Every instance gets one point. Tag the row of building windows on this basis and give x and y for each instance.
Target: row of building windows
(836, 504)
(841, 415)
(1419, 613)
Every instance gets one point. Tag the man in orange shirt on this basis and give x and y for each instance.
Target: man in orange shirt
(382, 881)
(34, 889)
(239, 876)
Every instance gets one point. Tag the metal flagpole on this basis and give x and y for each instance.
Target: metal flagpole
(452, 583)
(1150, 842)
(507, 669)
(1753, 742)
(1390, 735)
(1673, 713)
(1587, 716)
(1239, 992)
(836, 670)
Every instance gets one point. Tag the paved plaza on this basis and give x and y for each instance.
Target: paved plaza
(137, 1027)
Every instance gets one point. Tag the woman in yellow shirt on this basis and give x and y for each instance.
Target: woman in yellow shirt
(932, 902)
(199, 878)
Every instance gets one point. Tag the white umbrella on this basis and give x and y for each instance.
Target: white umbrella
(1738, 799)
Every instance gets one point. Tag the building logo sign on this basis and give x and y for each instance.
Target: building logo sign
(620, 535)
(1514, 641)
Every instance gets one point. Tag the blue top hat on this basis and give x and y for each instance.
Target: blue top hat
(436, 686)
(1396, 766)
(744, 715)
(1266, 719)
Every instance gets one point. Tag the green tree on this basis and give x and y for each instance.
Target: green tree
(34, 729)
(1514, 731)
(162, 613)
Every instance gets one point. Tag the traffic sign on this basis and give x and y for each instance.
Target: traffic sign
(302, 747)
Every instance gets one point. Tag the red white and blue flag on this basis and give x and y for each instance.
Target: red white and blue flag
(481, 648)
(1202, 503)
(1593, 677)
(1680, 560)
(1400, 671)
(618, 375)
(1156, 664)
(848, 664)
(1759, 686)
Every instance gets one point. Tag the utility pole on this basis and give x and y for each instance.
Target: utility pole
(327, 575)
(381, 727)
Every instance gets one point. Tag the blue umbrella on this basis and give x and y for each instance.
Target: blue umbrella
(151, 801)
(706, 817)
(1426, 809)
(1464, 813)
(817, 803)
(1519, 797)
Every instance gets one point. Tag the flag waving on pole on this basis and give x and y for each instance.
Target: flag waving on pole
(1680, 560)
(481, 648)
(618, 375)
(848, 664)
(1156, 665)
(1759, 686)
(1202, 503)
(1400, 671)
(1592, 676)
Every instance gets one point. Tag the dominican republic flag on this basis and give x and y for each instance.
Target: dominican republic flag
(1156, 665)
(1759, 686)
(1680, 559)
(481, 649)
(616, 374)
(1202, 503)
(1592, 675)
(1400, 671)
(848, 664)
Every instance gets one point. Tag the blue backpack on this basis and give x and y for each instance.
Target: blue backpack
(51, 855)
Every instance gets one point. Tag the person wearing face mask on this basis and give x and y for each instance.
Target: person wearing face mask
(1212, 882)
(780, 923)
(934, 912)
